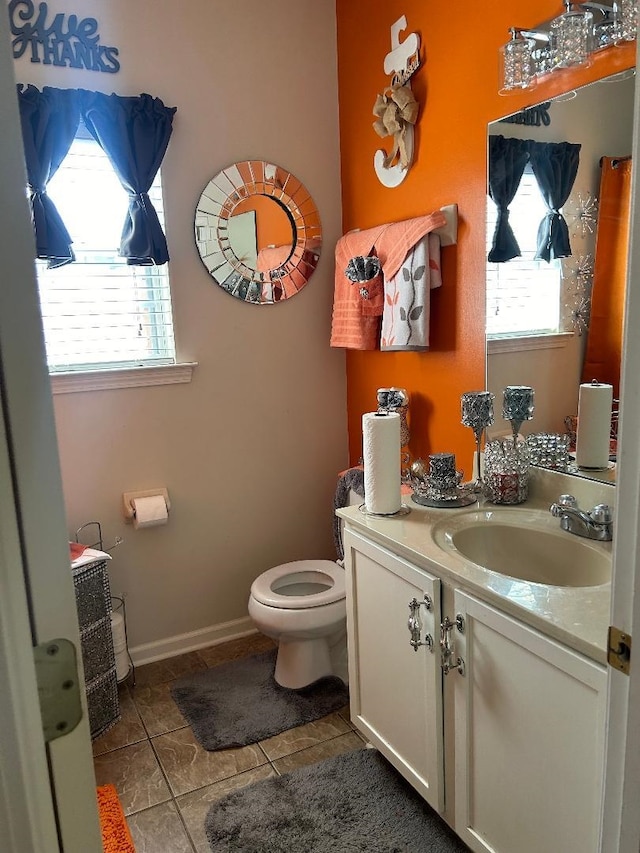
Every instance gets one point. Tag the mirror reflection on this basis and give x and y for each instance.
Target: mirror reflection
(555, 323)
(258, 232)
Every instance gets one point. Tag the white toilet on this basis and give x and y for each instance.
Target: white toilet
(302, 606)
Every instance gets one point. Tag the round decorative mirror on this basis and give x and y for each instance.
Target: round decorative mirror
(258, 232)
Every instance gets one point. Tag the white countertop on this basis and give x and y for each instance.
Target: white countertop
(575, 616)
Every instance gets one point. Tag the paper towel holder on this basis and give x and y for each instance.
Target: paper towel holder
(129, 497)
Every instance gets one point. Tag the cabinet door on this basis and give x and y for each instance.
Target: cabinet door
(396, 690)
(530, 717)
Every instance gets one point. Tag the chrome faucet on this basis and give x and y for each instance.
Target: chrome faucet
(595, 524)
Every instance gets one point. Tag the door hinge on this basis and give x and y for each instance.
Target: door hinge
(619, 649)
(58, 687)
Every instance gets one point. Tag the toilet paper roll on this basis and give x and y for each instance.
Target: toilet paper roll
(381, 454)
(150, 511)
(118, 630)
(594, 425)
(122, 665)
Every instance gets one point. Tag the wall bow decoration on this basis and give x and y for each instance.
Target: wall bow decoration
(396, 109)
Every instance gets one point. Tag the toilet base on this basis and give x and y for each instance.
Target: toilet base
(301, 662)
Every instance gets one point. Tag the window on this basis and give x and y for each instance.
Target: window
(523, 295)
(98, 312)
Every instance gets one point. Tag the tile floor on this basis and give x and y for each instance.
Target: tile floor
(166, 781)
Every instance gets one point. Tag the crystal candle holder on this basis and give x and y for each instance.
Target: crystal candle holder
(396, 400)
(442, 466)
(506, 472)
(477, 413)
(517, 406)
(549, 450)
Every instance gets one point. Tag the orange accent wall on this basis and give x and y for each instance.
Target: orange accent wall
(457, 88)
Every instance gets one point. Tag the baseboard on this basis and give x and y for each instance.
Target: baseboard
(178, 645)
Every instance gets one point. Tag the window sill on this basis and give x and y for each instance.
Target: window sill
(526, 343)
(127, 377)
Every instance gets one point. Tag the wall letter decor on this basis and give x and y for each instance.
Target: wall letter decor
(73, 43)
(396, 110)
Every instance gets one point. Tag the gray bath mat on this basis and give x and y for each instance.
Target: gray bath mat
(352, 803)
(238, 703)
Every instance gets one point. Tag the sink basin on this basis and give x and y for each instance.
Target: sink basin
(525, 547)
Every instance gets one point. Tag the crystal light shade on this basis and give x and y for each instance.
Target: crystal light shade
(571, 35)
(517, 69)
(626, 16)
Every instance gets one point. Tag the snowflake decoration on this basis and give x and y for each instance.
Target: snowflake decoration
(577, 275)
(580, 313)
(580, 269)
(583, 211)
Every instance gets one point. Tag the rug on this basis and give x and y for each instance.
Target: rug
(115, 832)
(352, 803)
(240, 702)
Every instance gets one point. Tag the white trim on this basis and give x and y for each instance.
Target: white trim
(26, 806)
(621, 817)
(192, 641)
(121, 377)
(529, 342)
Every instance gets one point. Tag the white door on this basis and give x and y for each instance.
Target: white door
(621, 825)
(47, 793)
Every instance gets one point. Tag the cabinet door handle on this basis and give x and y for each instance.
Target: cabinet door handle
(415, 627)
(448, 659)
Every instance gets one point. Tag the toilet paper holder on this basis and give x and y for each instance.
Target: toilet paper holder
(129, 497)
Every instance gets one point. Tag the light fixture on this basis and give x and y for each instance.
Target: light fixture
(571, 36)
(517, 64)
(626, 19)
(566, 40)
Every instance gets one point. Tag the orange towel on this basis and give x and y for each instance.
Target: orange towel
(356, 321)
(398, 239)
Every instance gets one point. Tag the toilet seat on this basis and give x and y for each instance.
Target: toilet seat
(324, 579)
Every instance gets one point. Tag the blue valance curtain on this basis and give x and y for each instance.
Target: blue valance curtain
(555, 166)
(134, 133)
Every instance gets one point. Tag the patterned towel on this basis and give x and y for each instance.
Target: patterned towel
(407, 303)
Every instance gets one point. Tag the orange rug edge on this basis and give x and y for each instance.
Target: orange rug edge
(116, 837)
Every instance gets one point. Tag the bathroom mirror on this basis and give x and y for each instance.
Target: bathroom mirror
(598, 117)
(258, 232)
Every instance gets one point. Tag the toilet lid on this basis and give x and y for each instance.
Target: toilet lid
(303, 583)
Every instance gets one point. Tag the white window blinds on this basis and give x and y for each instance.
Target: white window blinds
(98, 312)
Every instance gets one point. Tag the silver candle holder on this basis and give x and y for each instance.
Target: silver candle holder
(517, 407)
(477, 413)
(396, 400)
(438, 484)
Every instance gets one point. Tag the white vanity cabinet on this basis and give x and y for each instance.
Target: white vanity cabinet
(395, 689)
(524, 716)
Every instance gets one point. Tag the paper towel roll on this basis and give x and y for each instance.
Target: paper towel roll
(594, 425)
(381, 454)
(150, 511)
